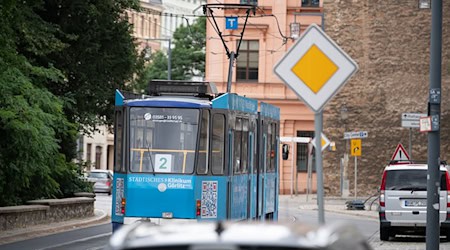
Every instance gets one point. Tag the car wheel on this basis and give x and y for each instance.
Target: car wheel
(384, 234)
(447, 234)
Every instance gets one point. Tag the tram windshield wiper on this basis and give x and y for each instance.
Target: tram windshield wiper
(150, 157)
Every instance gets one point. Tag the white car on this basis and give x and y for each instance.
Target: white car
(403, 200)
(236, 235)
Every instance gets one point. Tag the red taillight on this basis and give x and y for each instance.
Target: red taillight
(198, 206)
(382, 215)
(108, 183)
(382, 189)
(122, 205)
(447, 178)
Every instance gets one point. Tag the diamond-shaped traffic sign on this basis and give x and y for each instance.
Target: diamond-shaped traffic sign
(323, 140)
(315, 68)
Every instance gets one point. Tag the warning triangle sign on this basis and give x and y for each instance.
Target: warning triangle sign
(400, 154)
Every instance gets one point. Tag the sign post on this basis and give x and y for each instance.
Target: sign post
(356, 149)
(315, 68)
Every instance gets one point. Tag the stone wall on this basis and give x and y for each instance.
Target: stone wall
(45, 211)
(390, 41)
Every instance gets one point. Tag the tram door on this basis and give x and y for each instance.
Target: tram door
(252, 179)
(261, 152)
(239, 168)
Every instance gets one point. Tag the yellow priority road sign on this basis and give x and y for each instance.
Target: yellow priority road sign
(356, 147)
(323, 140)
(315, 68)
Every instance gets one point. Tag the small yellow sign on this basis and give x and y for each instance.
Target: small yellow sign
(356, 147)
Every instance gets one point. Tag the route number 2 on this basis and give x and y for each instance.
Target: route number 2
(163, 163)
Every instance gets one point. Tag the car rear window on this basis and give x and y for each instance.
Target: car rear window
(98, 175)
(414, 180)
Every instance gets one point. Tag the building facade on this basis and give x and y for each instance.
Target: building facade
(266, 38)
(390, 41)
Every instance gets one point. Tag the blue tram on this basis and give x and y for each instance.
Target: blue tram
(184, 152)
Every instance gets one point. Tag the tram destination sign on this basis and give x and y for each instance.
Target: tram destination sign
(356, 135)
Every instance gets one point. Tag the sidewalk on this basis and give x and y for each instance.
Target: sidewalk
(331, 204)
(41, 230)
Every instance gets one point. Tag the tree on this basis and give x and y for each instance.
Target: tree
(188, 56)
(100, 57)
(31, 117)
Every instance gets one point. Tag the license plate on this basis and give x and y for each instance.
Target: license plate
(415, 203)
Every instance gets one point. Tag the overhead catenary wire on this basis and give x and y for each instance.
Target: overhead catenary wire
(184, 16)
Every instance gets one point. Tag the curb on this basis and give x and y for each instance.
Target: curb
(15, 235)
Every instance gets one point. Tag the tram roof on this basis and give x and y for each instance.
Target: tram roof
(270, 110)
(232, 101)
(169, 101)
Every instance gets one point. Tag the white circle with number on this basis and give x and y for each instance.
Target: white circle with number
(147, 116)
(162, 187)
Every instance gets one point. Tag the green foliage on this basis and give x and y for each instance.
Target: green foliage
(100, 56)
(60, 61)
(27, 114)
(188, 56)
(156, 69)
(70, 180)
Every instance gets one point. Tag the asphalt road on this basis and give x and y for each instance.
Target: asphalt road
(96, 237)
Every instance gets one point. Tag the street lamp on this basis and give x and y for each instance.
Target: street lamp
(295, 30)
(148, 50)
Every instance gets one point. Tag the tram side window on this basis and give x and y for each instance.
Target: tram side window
(253, 147)
(118, 135)
(237, 142)
(203, 146)
(218, 144)
(270, 157)
(273, 140)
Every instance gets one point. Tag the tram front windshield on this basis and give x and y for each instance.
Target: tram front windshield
(162, 140)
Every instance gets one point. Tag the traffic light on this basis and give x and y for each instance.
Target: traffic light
(285, 151)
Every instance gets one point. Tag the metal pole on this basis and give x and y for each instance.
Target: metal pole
(292, 169)
(230, 72)
(309, 171)
(318, 142)
(432, 232)
(356, 174)
(341, 163)
(169, 63)
(410, 143)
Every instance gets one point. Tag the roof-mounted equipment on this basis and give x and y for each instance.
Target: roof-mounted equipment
(182, 88)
